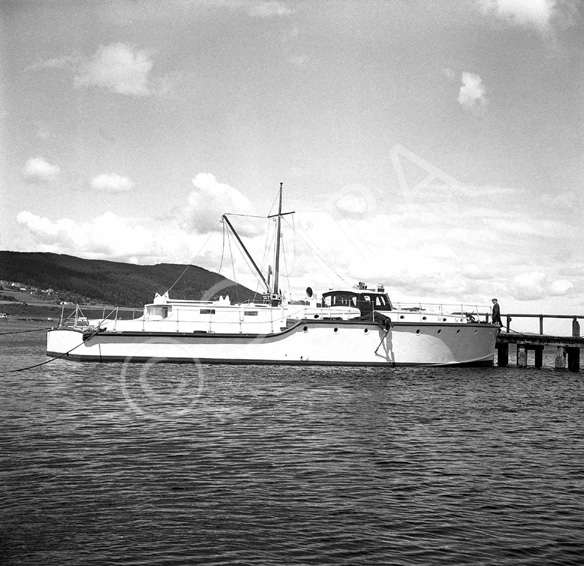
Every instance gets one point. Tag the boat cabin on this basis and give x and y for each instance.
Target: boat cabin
(366, 300)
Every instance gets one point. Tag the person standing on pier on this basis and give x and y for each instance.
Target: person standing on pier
(496, 313)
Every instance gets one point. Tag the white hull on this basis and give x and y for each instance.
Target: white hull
(307, 342)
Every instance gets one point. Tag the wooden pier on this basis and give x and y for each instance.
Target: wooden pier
(567, 347)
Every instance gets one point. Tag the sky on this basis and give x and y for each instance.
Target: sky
(435, 147)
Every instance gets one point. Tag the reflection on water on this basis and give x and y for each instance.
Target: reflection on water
(182, 464)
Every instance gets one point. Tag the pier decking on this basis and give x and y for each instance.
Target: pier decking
(568, 347)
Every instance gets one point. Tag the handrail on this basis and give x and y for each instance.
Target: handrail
(541, 317)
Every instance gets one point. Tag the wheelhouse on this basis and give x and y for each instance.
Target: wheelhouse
(365, 300)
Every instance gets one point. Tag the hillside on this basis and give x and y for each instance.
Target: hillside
(80, 280)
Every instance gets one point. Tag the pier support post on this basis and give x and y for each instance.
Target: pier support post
(521, 356)
(573, 359)
(561, 358)
(503, 355)
(538, 356)
(575, 328)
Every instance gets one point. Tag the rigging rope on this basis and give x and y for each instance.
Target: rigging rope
(318, 255)
(222, 248)
(232, 260)
(192, 260)
(243, 215)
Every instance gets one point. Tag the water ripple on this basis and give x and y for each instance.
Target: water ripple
(101, 464)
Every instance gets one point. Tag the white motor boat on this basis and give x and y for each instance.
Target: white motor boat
(348, 327)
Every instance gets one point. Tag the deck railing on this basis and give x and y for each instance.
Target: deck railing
(481, 313)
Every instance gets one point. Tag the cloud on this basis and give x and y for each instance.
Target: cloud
(472, 91)
(527, 13)
(535, 286)
(111, 182)
(560, 287)
(449, 73)
(64, 62)
(465, 245)
(39, 170)
(298, 60)
(256, 8)
(119, 68)
(268, 9)
(209, 201)
(110, 236)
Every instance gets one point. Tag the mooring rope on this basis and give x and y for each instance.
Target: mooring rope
(55, 358)
(24, 331)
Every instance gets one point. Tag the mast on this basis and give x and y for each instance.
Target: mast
(278, 229)
(270, 289)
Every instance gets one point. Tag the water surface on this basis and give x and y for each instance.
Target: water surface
(186, 464)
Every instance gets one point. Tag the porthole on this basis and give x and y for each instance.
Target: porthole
(402, 316)
(336, 329)
(458, 331)
(418, 331)
(305, 328)
(316, 316)
(366, 330)
(439, 330)
(424, 318)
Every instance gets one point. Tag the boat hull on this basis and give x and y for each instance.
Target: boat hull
(342, 343)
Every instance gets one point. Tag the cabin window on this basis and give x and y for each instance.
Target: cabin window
(250, 313)
(207, 311)
(340, 300)
(158, 311)
(382, 303)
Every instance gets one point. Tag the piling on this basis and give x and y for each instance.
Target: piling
(560, 358)
(573, 359)
(538, 356)
(502, 355)
(521, 356)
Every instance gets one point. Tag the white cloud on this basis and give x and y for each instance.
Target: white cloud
(449, 73)
(560, 287)
(39, 170)
(529, 286)
(119, 68)
(535, 286)
(472, 91)
(256, 8)
(528, 13)
(209, 201)
(438, 252)
(298, 60)
(268, 9)
(110, 236)
(64, 62)
(111, 182)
